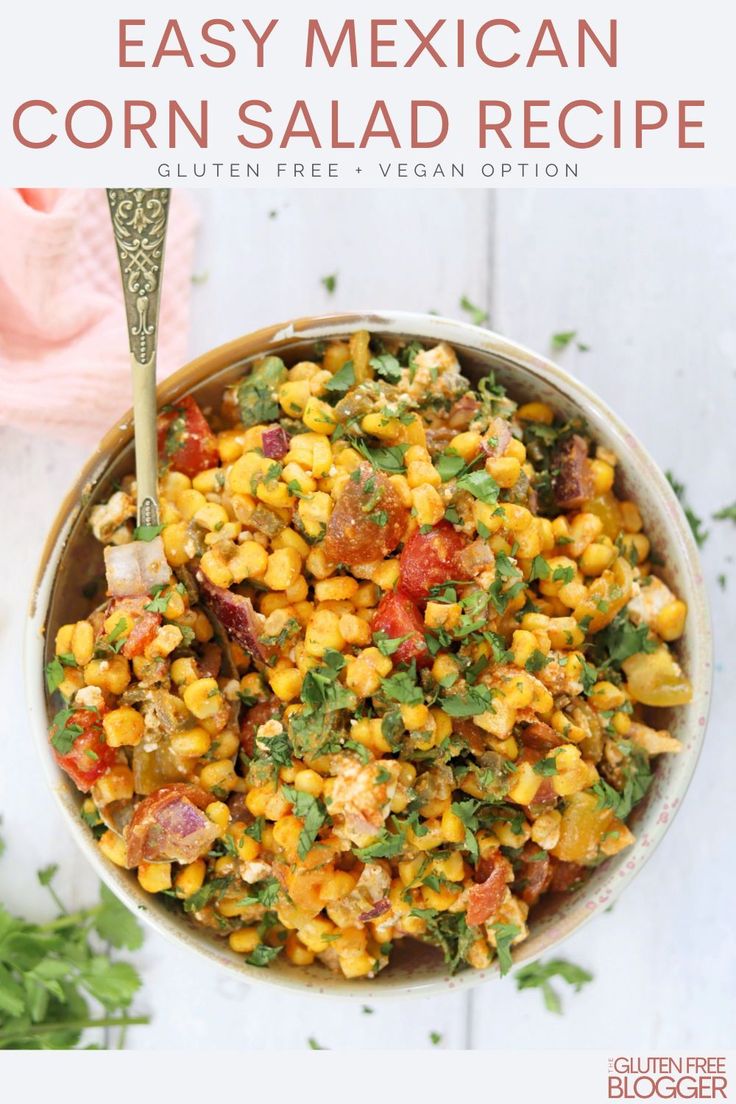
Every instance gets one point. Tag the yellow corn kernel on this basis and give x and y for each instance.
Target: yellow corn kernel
(286, 833)
(319, 416)
(354, 630)
(631, 517)
(296, 952)
(432, 838)
(211, 516)
(257, 799)
(596, 558)
(113, 847)
(453, 829)
(504, 469)
(382, 426)
(82, 643)
(523, 645)
(219, 814)
(286, 683)
(73, 680)
(444, 667)
(308, 781)
(284, 567)
(218, 775)
(603, 476)
(249, 561)
(573, 773)
(314, 513)
(604, 696)
(294, 396)
(215, 569)
(203, 698)
(115, 785)
(183, 670)
(621, 723)
(466, 445)
(323, 632)
(337, 885)
(155, 877)
(244, 940)
(173, 483)
(166, 640)
(190, 879)
(368, 731)
(442, 898)
(524, 785)
(335, 589)
(669, 622)
(564, 632)
(517, 449)
(415, 717)
(536, 412)
(419, 473)
(188, 502)
(193, 743)
(275, 493)
(428, 506)
(442, 615)
(178, 544)
(111, 674)
(123, 727)
(209, 481)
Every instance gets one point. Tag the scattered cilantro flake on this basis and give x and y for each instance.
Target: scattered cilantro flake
(539, 569)
(54, 673)
(314, 1045)
(263, 955)
(537, 975)
(387, 366)
(435, 1038)
(386, 846)
(477, 315)
(402, 687)
(312, 811)
(475, 700)
(505, 935)
(480, 485)
(386, 644)
(389, 458)
(343, 379)
(727, 513)
(329, 283)
(695, 522)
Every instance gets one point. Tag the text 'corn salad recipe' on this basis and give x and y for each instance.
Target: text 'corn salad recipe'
(387, 670)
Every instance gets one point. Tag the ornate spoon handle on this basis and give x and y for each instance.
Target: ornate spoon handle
(139, 218)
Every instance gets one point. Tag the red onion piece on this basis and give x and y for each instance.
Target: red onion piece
(170, 826)
(378, 910)
(135, 569)
(237, 616)
(275, 442)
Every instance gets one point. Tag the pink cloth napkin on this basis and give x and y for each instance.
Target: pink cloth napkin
(64, 365)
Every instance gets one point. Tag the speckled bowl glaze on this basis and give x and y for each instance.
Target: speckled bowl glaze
(71, 557)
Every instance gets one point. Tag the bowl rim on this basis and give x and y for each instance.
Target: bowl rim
(267, 339)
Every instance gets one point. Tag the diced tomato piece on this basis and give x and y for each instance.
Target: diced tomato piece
(90, 756)
(142, 634)
(429, 559)
(398, 616)
(169, 825)
(185, 441)
(565, 875)
(484, 899)
(368, 520)
(533, 875)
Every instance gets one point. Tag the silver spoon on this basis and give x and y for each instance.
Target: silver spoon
(139, 219)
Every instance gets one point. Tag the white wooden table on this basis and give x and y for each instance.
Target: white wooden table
(647, 278)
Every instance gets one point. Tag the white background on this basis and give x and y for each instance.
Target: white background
(648, 280)
(668, 50)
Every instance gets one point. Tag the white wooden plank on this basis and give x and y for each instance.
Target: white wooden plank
(647, 278)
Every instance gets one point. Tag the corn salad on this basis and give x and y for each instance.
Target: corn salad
(390, 669)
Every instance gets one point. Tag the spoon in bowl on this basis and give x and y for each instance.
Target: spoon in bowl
(139, 220)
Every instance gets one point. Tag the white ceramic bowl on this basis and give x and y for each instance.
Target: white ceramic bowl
(71, 557)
